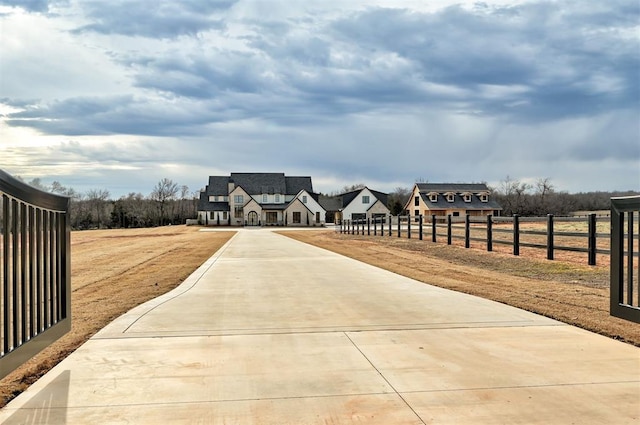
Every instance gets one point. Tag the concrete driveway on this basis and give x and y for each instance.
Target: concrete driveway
(273, 331)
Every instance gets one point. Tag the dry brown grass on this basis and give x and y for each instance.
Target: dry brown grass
(567, 290)
(113, 271)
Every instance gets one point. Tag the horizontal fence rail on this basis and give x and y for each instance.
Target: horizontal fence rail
(35, 271)
(551, 235)
(625, 270)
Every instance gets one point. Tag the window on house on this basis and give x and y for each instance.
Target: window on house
(238, 211)
(416, 201)
(484, 197)
(467, 197)
(277, 198)
(450, 197)
(365, 200)
(211, 215)
(456, 213)
(304, 199)
(265, 198)
(212, 198)
(433, 197)
(238, 199)
(296, 217)
(416, 213)
(317, 216)
(224, 215)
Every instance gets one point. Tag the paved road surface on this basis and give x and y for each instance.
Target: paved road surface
(273, 331)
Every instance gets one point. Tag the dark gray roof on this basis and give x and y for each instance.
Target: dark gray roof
(336, 203)
(330, 203)
(218, 185)
(280, 207)
(253, 184)
(296, 184)
(259, 183)
(452, 187)
(459, 203)
(205, 205)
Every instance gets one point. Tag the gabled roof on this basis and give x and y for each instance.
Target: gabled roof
(330, 203)
(295, 184)
(338, 202)
(204, 205)
(452, 187)
(218, 185)
(459, 203)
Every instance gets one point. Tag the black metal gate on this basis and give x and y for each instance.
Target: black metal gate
(35, 271)
(625, 271)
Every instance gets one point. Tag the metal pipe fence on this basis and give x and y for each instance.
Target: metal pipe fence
(625, 267)
(550, 233)
(35, 271)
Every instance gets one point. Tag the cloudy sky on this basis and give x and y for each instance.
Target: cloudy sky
(117, 94)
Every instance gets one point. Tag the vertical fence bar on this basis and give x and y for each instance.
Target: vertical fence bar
(399, 220)
(449, 230)
(420, 227)
(24, 288)
(489, 232)
(39, 270)
(630, 258)
(46, 269)
(592, 240)
(549, 236)
(375, 226)
(6, 275)
(16, 275)
(467, 231)
(32, 273)
(368, 226)
(434, 228)
(516, 234)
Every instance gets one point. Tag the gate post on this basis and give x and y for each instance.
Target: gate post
(592, 239)
(467, 231)
(549, 236)
(489, 232)
(434, 228)
(516, 234)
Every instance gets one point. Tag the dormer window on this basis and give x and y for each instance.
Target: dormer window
(466, 197)
(484, 197)
(450, 196)
(433, 197)
(277, 198)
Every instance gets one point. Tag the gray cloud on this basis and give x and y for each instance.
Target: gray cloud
(376, 94)
(30, 5)
(156, 19)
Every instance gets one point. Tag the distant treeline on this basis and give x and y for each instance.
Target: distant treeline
(170, 203)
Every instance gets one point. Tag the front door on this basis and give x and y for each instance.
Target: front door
(252, 219)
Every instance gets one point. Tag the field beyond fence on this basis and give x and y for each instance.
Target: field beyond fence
(589, 234)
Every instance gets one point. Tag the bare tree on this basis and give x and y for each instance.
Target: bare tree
(397, 200)
(164, 192)
(98, 199)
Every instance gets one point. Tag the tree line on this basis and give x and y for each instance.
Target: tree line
(171, 203)
(168, 203)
